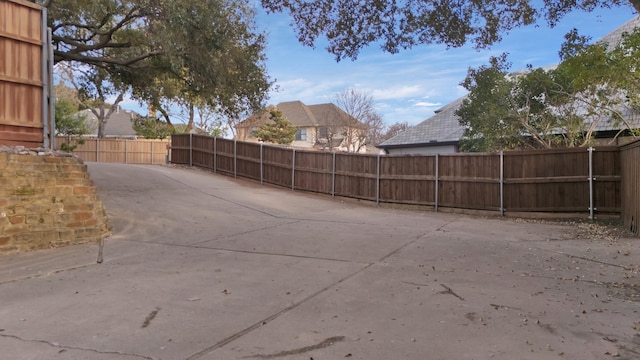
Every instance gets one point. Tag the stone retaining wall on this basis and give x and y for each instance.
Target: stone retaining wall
(47, 200)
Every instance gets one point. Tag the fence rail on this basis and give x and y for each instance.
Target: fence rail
(578, 180)
(122, 151)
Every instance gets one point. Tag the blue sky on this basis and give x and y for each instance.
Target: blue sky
(410, 85)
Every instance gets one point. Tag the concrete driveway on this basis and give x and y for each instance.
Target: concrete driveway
(202, 266)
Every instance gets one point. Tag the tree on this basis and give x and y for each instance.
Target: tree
(279, 131)
(93, 86)
(166, 51)
(559, 107)
(393, 130)
(350, 25)
(70, 123)
(362, 120)
(150, 127)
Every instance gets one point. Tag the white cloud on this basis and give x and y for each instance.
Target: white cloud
(426, 104)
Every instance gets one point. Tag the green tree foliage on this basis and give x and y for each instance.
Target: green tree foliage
(166, 51)
(279, 131)
(351, 25)
(150, 127)
(559, 107)
(70, 124)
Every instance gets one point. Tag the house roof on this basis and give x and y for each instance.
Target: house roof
(614, 38)
(444, 126)
(301, 115)
(119, 123)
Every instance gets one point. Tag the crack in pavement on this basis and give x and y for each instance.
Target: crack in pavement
(293, 306)
(39, 275)
(67, 347)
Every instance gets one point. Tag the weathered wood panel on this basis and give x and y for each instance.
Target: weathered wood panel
(277, 165)
(313, 171)
(469, 181)
(21, 77)
(408, 179)
(630, 174)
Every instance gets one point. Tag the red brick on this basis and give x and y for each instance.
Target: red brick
(16, 219)
(82, 190)
(83, 216)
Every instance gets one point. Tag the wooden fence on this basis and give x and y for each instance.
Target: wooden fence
(23, 75)
(630, 159)
(575, 180)
(121, 151)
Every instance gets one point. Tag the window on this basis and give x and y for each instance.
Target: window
(252, 131)
(301, 135)
(323, 133)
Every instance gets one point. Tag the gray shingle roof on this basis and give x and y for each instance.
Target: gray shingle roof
(444, 126)
(613, 38)
(119, 123)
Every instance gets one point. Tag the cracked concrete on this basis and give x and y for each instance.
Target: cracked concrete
(205, 267)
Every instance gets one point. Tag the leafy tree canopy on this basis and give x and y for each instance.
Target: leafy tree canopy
(557, 107)
(204, 50)
(279, 131)
(150, 127)
(351, 25)
(70, 124)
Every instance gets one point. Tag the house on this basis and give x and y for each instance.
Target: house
(441, 133)
(118, 125)
(319, 127)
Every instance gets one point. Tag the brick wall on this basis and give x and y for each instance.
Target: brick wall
(47, 200)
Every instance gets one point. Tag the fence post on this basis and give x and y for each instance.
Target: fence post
(235, 158)
(97, 149)
(190, 149)
(126, 156)
(333, 176)
(378, 180)
(215, 154)
(293, 171)
(151, 142)
(436, 182)
(261, 164)
(46, 135)
(501, 183)
(591, 208)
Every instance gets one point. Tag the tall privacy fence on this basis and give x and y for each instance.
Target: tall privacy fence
(577, 180)
(26, 75)
(121, 151)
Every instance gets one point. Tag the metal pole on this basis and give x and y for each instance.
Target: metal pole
(45, 79)
(501, 183)
(591, 208)
(261, 165)
(235, 158)
(378, 180)
(215, 154)
(333, 176)
(293, 171)
(190, 149)
(436, 182)
(52, 99)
